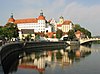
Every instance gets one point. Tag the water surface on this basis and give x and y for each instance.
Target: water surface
(70, 60)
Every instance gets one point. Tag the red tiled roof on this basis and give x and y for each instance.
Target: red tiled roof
(67, 22)
(30, 20)
(49, 20)
(78, 32)
(59, 25)
(50, 34)
(11, 20)
(41, 17)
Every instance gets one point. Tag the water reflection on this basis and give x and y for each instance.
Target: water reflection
(64, 57)
(41, 60)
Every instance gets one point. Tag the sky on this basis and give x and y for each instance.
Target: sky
(83, 12)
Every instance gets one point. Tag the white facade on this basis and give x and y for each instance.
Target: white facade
(38, 27)
(53, 22)
(37, 24)
(49, 29)
(66, 27)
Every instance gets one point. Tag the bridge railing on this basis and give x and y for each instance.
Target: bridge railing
(83, 40)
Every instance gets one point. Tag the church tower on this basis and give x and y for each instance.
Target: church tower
(61, 20)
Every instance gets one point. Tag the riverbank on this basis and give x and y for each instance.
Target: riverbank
(20, 46)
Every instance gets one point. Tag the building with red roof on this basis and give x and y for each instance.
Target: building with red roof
(64, 25)
(39, 24)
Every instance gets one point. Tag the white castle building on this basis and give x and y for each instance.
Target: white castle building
(34, 24)
(40, 24)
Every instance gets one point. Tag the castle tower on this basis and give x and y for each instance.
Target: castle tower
(61, 20)
(41, 22)
(11, 19)
(41, 17)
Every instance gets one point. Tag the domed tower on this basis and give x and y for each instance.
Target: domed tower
(41, 22)
(11, 19)
(41, 17)
(61, 20)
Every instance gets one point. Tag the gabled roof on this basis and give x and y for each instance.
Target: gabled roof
(78, 32)
(67, 22)
(29, 20)
(41, 17)
(11, 20)
(59, 25)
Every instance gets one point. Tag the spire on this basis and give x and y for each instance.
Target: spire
(11, 15)
(41, 13)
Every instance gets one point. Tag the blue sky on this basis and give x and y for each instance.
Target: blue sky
(84, 12)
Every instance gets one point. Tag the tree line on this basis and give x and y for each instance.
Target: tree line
(8, 31)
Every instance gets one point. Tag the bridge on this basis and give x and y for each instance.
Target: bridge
(85, 40)
(82, 41)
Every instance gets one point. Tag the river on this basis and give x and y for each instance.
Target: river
(71, 60)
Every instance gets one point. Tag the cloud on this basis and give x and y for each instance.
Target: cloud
(87, 16)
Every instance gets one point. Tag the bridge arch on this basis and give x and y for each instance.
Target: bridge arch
(85, 40)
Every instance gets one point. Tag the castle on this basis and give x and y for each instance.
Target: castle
(40, 24)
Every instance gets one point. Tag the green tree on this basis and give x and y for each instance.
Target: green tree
(1, 33)
(88, 33)
(77, 27)
(5, 32)
(83, 30)
(71, 35)
(37, 37)
(11, 30)
(46, 35)
(59, 33)
(28, 37)
(52, 36)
